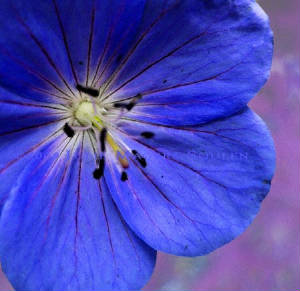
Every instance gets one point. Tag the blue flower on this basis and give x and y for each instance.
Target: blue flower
(125, 130)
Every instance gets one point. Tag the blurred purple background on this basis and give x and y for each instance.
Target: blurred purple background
(267, 256)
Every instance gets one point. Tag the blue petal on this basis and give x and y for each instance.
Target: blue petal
(202, 185)
(195, 61)
(47, 47)
(60, 230)
(24, 128)
(17, 114)
(211, 68)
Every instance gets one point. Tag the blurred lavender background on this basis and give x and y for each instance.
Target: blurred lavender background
(267, 256)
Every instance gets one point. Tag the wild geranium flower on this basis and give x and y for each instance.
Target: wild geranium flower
(125, 130)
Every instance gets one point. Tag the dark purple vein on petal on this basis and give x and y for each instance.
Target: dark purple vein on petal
(209, 102)
(78, 199)
(107, 223)
(92, 145)
(44, 91)
(156, 62)
(58, 190)
(67, 144)
(107, 43)
(32, 174)
(196, 37)
(38, 75)
(168, 200)
(136, 197)
(50, 94)
(100, 60)
(78, 192)
(65, 41)
(40, 254)
(62, 139)
(168, 157)
(198, 172)
(31, 127)
(185, 128)
(43, 50)
(46, 176)
(214, 77)
(124, 225)
(113, 56)
(207, 179)
(25, 104)
(152, 182)
(167, 104)
(36, 168)
(135, 46)
(32, 149)
(190, 129)
(90, 43)
(41, 114)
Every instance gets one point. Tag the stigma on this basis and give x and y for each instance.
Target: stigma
(85, 113)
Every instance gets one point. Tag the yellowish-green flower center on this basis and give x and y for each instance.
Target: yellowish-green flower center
(85, 113)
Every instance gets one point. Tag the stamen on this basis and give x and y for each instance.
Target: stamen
(98, 121)
(147, 134)
(81, 128)
(129, 105)
(124, 176)
(140, 159)
(142, 162)
(120, 105)
(88, 90)
(102, 163)
(120, 155)
(122, 159)
(88, 118)
(98, 173)
(103, 138)
(68, 130)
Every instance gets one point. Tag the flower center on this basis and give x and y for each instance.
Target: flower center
(85, 113)
(100, 122)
